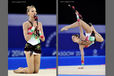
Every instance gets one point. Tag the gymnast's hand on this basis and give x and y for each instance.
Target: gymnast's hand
(76, 12)
(35, 24)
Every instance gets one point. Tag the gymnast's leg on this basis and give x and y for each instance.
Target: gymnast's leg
(81, 23)
(30, 63)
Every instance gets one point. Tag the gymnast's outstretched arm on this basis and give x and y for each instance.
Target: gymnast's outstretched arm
(81, 47)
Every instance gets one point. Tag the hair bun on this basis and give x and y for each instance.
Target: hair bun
(28, 7)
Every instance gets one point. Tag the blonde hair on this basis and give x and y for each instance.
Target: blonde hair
(29, 7)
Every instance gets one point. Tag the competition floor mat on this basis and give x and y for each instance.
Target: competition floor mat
(88, 70)
(42, 72)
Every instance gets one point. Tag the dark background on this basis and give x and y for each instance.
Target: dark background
(91, 10)
(43, 6)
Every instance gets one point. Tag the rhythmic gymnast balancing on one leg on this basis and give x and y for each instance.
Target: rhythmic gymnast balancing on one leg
(84, 41)
(33, 33)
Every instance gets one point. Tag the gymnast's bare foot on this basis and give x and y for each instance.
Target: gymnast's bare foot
(19, 70)
(64, 28)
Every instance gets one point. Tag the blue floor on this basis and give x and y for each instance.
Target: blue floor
(50, 62)
(76, 60)
(46, 62)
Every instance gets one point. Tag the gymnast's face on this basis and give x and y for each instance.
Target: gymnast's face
(32, 12)
(75, 39)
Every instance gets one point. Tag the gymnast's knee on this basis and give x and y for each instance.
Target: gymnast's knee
(102, 40)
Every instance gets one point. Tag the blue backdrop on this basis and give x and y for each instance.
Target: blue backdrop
(16, 41)
(66, 47)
